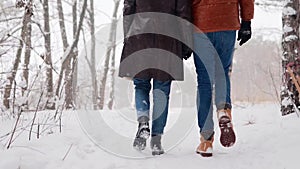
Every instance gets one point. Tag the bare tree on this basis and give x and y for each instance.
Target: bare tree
(290, 44)
(112, 62)
(67, 66)
(75, 54)
(62, 24)
(27, 58)
(70, 50)
(12, 75)
(27, 53)
(48, 57)
(109, 53)
(70, 53)
(68, 85)
(92, 63)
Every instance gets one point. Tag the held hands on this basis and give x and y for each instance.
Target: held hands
(244, 33)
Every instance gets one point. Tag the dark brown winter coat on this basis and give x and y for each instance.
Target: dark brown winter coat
(150, 55)
(221, 15)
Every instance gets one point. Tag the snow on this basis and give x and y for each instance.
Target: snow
(289, 11)
(286, 101)
(267, 22)
(22, 83)
(290, 38)
(265, 139)
(287, 29)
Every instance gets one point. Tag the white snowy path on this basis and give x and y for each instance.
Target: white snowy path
(271, 142)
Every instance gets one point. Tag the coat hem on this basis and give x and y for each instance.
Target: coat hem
(217, 29)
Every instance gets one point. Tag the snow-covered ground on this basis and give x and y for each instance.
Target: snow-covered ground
(265, 139)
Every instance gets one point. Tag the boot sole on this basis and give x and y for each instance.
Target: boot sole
(204, 154)
(227, 137)
(139, 148)
(157, 153)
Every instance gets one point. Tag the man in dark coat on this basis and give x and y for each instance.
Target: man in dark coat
(149, 54)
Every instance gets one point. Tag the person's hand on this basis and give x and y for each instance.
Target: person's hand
(244, 33)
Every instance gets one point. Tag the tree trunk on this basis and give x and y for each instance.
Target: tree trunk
(74, 75)
(110, 51)
(93, 56)
(12, 75)
(62, 24)
(67, 67)
(112, 76)
(48, 57)
(290, 46)
(68, 85)
(68, 54)
(27, 59)
(112, 65)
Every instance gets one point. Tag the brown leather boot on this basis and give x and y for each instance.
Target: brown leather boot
(227, 137)
(205, 149)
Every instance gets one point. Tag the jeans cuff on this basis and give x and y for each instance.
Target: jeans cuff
(156, 135)
(208, 134)
(224, 106)
(153, 134)
(143, 119)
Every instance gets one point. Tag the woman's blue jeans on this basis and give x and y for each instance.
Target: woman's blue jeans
(213, 53)
(161, 92)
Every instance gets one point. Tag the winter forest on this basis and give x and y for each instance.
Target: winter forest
(62, 104)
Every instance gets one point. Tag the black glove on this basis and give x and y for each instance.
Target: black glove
(244, 33)
(186, 52)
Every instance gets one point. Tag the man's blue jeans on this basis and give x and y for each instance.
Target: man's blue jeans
(213, 53)
(161, 92)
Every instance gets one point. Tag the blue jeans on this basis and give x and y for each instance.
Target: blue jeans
(161, 92)
(213, 53)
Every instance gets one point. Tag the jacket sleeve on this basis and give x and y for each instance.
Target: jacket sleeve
(247, 9)
(184, 11)
(128, 9)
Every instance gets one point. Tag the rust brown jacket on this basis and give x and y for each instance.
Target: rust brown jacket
(221, 15)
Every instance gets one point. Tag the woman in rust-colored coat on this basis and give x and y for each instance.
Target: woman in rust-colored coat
(214, 41)
(150, 54)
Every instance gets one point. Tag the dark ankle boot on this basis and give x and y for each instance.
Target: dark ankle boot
(156, 145)
(142, 134)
